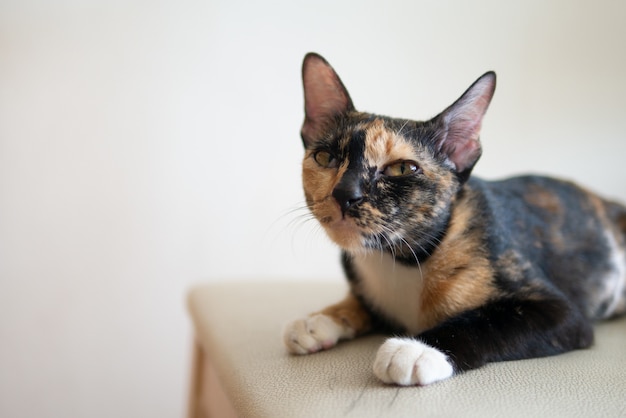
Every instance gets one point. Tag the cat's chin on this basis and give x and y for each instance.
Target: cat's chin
(345, 233)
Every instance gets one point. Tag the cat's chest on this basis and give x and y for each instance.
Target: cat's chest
(392, 288)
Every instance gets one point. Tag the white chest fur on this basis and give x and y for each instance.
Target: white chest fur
(614, 282)
(392, 288)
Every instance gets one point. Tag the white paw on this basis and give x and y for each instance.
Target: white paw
(314, 333)
(407, 362)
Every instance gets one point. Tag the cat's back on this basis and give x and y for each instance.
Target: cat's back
(563, 231)
(540, 191)
(534, 199)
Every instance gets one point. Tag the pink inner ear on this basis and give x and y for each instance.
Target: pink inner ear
(324, 95)
(463, 122)
(463, 152)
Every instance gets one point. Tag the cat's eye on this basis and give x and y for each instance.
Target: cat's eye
(400, 168)
(325, 159)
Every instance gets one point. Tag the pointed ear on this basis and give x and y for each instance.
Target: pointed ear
(324, 97)
(462, 122)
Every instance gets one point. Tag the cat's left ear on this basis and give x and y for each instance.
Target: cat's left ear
(462, 122)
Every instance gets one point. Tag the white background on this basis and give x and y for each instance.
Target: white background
(149, 145)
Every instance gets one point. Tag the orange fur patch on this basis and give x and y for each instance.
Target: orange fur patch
(349, 312)
(542, 198)
(458, 276)
(383, 146)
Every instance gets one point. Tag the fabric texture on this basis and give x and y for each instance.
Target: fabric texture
(239, 326)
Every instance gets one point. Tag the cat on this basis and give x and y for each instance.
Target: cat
(462, 271)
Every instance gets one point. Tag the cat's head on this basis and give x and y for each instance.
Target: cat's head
(379, 182)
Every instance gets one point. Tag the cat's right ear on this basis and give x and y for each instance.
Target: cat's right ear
(325, 97)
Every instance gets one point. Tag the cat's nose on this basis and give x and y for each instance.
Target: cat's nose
(348, 193)
(347, 197)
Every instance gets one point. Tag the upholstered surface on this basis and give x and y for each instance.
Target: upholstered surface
(239, 325)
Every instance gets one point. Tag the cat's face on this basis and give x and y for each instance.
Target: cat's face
(372, 184)
(380, 183)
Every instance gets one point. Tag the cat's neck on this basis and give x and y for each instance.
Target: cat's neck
(457, 270)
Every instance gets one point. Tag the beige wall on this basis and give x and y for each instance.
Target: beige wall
(145, 146)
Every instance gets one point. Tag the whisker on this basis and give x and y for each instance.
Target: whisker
(295, 219)
(402, 127)
(419, 266)
(391, 246)
(291, 220)
(394, 246)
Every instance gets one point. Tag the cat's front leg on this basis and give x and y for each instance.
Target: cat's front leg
(508, 329)
(322, 330)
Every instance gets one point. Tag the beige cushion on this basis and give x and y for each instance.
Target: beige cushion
(238, 325)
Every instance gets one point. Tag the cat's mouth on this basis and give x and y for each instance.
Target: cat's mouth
(343, 228)
(348, 229)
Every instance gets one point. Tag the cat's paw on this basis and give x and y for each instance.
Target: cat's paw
(314, 333)
(405, 362)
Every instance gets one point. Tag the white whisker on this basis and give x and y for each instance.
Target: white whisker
(402, 127)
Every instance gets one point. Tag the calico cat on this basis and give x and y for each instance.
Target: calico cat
(469, 271)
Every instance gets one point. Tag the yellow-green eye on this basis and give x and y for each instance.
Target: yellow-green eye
(400, 168)
(325, 159)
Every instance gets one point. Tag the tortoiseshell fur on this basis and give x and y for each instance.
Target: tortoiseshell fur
(471, 271)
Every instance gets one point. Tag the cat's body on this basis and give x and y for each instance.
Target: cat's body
(470, 271)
